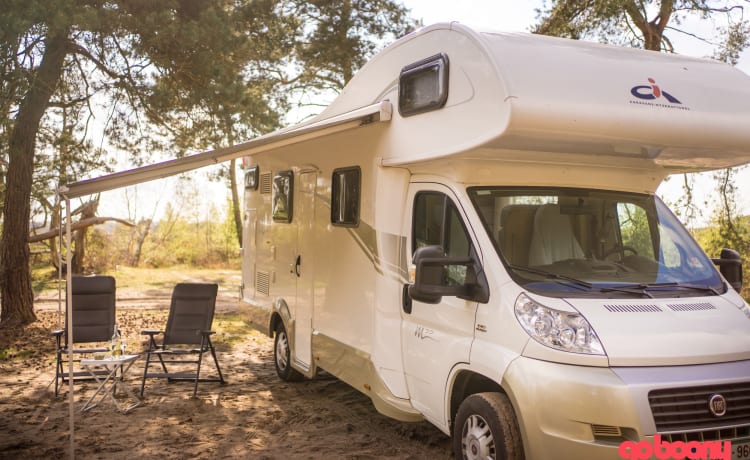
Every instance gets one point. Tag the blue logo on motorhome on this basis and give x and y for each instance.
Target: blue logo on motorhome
(652, 91)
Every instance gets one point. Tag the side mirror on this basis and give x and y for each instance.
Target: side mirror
(730, 266)
(438, 275)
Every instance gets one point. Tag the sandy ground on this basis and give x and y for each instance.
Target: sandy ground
(255, 415)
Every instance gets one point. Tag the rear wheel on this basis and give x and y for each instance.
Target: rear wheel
(486, 428)
(282, 356)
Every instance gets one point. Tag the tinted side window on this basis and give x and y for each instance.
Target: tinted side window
(345, 196)
(436, 222)
(283, 191)
(429, 216)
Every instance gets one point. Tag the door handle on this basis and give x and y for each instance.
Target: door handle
(296, 265)
(406, 304)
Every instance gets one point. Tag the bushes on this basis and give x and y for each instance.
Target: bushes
(174, 240)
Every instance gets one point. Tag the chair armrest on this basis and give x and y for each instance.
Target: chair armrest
(151, 332)
(57, 333)
(207, 332)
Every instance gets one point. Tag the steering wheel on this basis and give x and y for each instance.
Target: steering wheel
(618, 249)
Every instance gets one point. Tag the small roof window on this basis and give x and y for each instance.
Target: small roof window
(423, 86)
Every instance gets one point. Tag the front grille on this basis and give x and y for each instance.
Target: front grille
(726, 434)
(687, 409)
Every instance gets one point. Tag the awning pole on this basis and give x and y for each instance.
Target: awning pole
(69, 327)
(59, 262)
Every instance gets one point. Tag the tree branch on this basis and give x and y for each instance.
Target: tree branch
(77, 226)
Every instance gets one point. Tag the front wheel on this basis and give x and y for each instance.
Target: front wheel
(486, 428)
(282, 356)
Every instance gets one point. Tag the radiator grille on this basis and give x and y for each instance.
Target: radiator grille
(266, 183)
(263, 283)
(687, 409)
(726, 434)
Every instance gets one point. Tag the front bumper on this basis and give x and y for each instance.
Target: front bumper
(579, 412)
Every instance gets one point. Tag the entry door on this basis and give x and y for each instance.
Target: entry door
(436, 337)
(304, 268)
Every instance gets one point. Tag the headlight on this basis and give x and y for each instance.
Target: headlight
(557, 329)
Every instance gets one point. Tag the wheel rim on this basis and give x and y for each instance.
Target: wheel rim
(477, 440)
(282, 350)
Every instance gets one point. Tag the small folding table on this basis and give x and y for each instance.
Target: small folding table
(111, 382)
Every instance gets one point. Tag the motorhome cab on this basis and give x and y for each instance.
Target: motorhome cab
(469, 235)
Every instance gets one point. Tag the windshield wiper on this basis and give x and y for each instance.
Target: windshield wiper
(637, 289)
(696, 287)
(643, 288)
(552, 275)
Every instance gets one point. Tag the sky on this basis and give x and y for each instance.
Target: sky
(500, 15)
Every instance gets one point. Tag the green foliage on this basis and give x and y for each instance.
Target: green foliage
(737, 38)
(634, 228)
(712, 239)
(728, 229)
(338, 36)
(205, 242)
(641, 24)
(159, 76)
(582, 19)
(230, 238)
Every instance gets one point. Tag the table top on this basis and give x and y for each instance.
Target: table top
(109, 360)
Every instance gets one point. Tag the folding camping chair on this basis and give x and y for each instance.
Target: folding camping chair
(188, 332)
(93, 304)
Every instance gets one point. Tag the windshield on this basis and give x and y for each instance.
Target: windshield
(563, 241)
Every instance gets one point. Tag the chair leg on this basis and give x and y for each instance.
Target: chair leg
(198, 370)
(151, 348)
(145, 371)
(58, 372)
(164, 367)
(216, 361)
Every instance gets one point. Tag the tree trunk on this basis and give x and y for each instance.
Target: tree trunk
(236, 212)
(88, 211)
(142, 230)
(652, 31)
(54, 227)
(15, 273)
(235, 200)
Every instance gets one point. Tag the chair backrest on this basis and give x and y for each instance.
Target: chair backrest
(553, 238)
(93, 300)
(191, 311)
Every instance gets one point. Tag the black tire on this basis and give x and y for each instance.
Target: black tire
(486, 427)
(282, 356)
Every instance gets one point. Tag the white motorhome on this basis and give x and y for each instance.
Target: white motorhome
(469, 235)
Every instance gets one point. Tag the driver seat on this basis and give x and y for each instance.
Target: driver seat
(552, 239)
